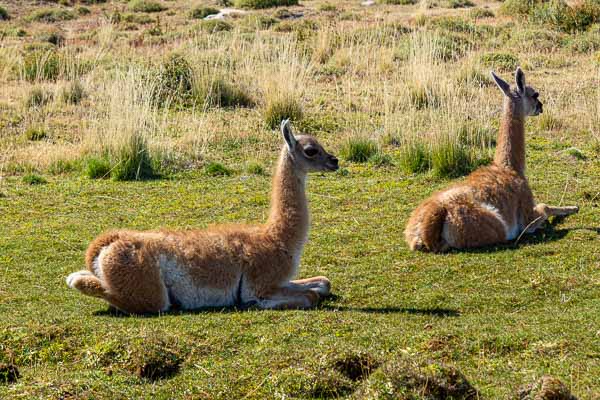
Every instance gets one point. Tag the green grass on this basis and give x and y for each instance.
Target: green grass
(97, 168)
(38, 97)
(258, 4)
(217, 169)
(202, 12)
(34, 179)
(4, 15)
(278, 109)
(51, 15)
(502, 316)
(35, 133)
(358, 149)
(73, 93)
(148, 6)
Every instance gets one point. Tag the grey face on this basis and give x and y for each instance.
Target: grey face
(531, 103)
(307, 153)
(525, 97)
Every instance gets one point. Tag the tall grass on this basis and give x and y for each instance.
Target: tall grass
(129, 129)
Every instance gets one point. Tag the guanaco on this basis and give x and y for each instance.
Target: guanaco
(494, 204)
(151, 271)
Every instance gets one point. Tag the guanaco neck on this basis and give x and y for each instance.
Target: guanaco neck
(288, 221)
(510, 148)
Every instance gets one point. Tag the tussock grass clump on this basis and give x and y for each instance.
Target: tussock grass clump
(59, 167)
(202, 12)
(549, 122)
(41, 65)
(280, 108)
(472, 76)
(406, 378)
(51, 15)
(34, 179)
(450, 158)
(54, 37)
(255, 168)
(221, 93)
(175, 81)
(562, 16)
(398, 2)
(415, 157)
(503, 62)
(259, 4)
(575, 153)
(83, 10)
(35, 134)
(215, 25)
(4, 16)
(96, 168)
(9, 373)
(38, 97)
(148, 6)
(217, 169)
(547, 388)
(358, 149)
(460, 3)
(132, 160)
(518, 7)
(423, 96)
(480, 13)
(73, 93)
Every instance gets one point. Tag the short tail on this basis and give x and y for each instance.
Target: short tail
(424, 230)
(87, 283)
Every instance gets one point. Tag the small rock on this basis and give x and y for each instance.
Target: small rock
(367, 3)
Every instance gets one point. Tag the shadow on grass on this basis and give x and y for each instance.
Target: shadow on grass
(435, 312)
(545, 235)
(324, 306)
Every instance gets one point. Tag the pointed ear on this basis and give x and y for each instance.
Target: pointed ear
(505, 87)
(520, 79)
(288, 135)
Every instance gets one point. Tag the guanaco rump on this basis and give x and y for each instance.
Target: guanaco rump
(494, 204)
(151, 271)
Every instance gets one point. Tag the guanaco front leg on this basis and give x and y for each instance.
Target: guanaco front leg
(543, 211)
(318, 284)
(290, 297)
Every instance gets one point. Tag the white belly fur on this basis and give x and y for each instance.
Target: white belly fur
(184, 292)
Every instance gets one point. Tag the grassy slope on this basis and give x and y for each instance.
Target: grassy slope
(503, 316)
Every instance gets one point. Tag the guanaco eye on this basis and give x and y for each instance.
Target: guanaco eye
(311, 151)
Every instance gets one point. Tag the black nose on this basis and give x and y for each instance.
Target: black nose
(541, 107)
(333, 160)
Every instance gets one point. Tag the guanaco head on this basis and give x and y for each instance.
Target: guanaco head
(306, 152)
(524, 98)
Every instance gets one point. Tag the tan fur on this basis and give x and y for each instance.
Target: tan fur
(141, 272)
(494, 204)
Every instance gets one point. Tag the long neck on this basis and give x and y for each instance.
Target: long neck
(289, 219)
(510, 149)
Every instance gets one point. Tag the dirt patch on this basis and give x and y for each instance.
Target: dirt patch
(9, 373)
(405, 377)
(356, 366)
(547, 388)
(155, 359)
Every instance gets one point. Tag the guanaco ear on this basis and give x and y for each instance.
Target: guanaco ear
(288, 135)
(505, 87)
(520, 79)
